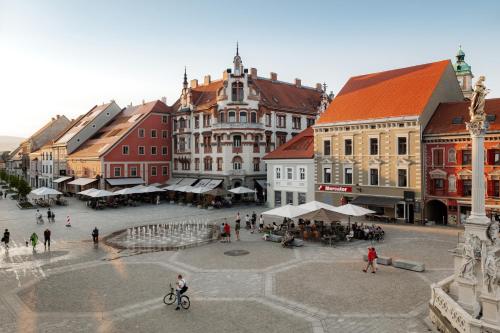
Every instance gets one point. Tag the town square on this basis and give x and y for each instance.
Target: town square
(292, 167)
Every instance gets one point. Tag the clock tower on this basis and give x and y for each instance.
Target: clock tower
(464, 73)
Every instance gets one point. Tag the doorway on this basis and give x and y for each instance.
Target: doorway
(436, 211)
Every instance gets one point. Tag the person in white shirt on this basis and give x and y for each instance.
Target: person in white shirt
(180, 288)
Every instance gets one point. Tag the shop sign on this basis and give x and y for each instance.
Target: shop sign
(335, 188)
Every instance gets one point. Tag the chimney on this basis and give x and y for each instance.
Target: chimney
(164, 99)
(194, 83)
(225, 75)
(298, 83)
(253, 73)
(319, 87)
(207, 80)
(273, 76)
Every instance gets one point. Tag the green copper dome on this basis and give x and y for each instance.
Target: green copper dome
(460, 66)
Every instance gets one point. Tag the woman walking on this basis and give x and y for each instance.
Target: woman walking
(237, 228)
(372, 256)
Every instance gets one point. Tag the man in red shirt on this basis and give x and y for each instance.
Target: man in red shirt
(372, 256)
(227, 231)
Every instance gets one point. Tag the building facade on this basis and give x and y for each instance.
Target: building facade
(448, 157)
(222, 129)
(134, 148)
(368, 142)
(290, 171)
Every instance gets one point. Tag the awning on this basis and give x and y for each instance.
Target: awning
(173, 181)
(262, 183)
(61, 179)
(213, 184)
(125, 181)
(187, 181)
(376, 201)
(203, 183)
(82, 181)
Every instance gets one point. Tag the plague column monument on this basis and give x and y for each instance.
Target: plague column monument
(469, 300)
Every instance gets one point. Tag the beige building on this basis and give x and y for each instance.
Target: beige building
(368, 142)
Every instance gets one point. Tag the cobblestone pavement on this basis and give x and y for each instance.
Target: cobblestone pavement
(77, 287)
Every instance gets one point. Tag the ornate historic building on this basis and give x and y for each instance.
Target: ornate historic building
(222, 129)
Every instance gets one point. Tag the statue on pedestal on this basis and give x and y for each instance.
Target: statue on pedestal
(471, 247)
(476, 109)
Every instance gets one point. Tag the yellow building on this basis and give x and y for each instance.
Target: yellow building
(368, 142)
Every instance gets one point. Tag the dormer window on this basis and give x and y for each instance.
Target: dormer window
(237, 91)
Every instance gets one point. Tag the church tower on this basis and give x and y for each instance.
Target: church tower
(464, 73)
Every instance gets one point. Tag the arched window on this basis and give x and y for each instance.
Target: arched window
(237, 162)
(237, 91)
(221, 117)
(253, 117)
(243, 117)
(452, 155)
(232, 116)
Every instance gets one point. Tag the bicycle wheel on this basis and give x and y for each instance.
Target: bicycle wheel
(169, 298)
(185, 303)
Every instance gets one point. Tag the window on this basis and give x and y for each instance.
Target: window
(437, 157)
(197, 164)
(289, 173)
(164, 119)
(125, 150)
(208, 163)
(153, 150)
(182, 123)
(164, 150)
(402, 178)
(219, 163)
(50, 158)
(268, 119)
(141, 132)
(281, 121)
(278, 172)
(222, 118)
(197, 122)
(326, 148)
(439, 184)
(237, 92)
(253, 117)
(232, 116)
(289, 198)
(327, 175)
(237, 141)
(296, 122)
(281, 138)
(164, 134)
(141, 150)
(154, 134)
(302, 173)
(277, 198)
(373, 146)
(206, 120)
(256, 164)
(348, 147)
(301, 198)
(117, 172)
(237, 161)
(402, 146)
(153, 171)
(466, 157)
(164, 171)
(310, 122)
(348, 175)
(133, 171)
(466, 187)
(496, 157)
(452, 184)
(243, 117)
(496, 188)
(374, 177)
(452, 155)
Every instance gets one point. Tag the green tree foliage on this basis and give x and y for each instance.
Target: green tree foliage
(23, 188)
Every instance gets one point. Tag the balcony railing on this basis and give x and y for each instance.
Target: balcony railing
(237, 125)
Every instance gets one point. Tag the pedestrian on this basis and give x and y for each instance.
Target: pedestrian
(68, 221)
(1, 194)
(95, 235)
(222, 233)
(34, 240)
(254, 221)
(372, 257)
(46, 238)
(157, 200)
(237, 227)
(247, 222)
(180, 288)
(261, 223)
(6, 238)
(49, 215)
(227, 231)
(5, 194)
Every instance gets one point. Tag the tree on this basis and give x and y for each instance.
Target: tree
(3, 175)
(13, 181)
(23, 188)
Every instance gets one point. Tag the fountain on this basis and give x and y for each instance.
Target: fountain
(469, 300)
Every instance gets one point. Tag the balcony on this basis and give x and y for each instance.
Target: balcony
(236, 172)
(218, 126)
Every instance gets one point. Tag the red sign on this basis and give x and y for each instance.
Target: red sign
(335, 188)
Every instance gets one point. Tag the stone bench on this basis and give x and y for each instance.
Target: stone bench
(380, 260)
(409, 265)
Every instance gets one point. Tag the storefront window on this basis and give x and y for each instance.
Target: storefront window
(302, 198)
(289, 198)
(400, 211)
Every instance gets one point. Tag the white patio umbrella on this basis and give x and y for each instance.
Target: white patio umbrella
(352, 210)
(287, 211)
(100, 194)
(185, 188)
(241, 190)
(315, 205)
(45, 191)
(128, 190)
(86, 192)
(150, 189)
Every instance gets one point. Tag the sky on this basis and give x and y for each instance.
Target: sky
(65, 56)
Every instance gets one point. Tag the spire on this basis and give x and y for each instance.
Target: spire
(238, 66)
(185, 83)
(324, 87)
(237, 49)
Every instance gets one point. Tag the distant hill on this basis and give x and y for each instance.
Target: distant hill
(9, 142)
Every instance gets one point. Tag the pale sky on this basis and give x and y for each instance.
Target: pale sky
(65, 56)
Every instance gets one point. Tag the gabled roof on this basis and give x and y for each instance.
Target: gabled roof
(108, 136)
(450, 118)
(394, 93)
(300, 146)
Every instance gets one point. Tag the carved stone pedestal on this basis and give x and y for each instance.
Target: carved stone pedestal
(491, 308)
(467, 296)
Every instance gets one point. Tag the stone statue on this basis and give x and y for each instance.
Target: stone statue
(471, 247)
(490, 270)
(492, 232)
(476, 109)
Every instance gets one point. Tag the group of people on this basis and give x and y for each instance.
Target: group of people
(51, 217)
(367, 232)
(46, 239)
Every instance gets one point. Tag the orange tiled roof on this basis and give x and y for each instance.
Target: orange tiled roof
(394, 93)
(300, 146)
(450, 118)
(104, 140)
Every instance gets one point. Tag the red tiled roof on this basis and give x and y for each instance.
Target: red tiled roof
(300, 146)
(450, 118)
(129, 117)
(394, 93)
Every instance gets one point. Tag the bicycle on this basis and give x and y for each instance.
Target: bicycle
(171, 297)
(39, 220)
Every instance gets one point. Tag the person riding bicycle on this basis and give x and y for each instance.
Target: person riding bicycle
(180, 288)
(38, 216)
